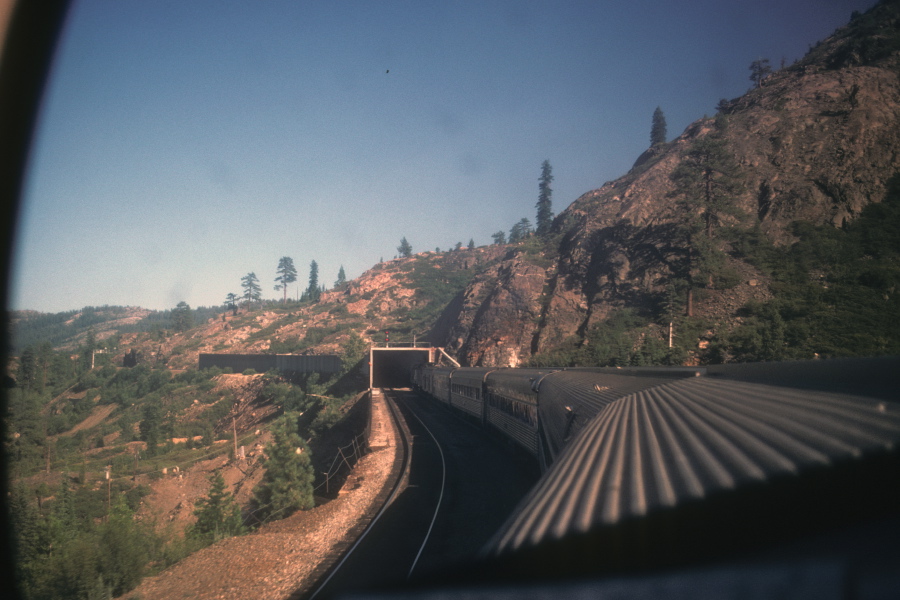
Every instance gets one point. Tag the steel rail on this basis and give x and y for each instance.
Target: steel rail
(440, 496)
(397, 488)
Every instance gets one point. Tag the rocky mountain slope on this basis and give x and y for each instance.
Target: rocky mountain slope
(817, 142)
(411, 298)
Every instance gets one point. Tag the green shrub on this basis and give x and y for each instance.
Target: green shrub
(218, 515)
(835, 290)
(288, 481)
(327, 416)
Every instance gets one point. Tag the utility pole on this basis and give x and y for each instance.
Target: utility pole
(234, 428)
(670, 334)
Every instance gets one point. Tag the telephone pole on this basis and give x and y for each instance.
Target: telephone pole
(234, 429)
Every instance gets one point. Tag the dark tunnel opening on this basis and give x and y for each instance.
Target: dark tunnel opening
(392, 367)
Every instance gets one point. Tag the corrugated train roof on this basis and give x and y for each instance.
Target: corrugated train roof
(683, 440)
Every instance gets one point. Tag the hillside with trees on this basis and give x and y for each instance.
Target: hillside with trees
(768, 231)
(118, 472)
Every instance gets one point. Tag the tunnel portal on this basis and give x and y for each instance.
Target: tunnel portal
(392, 367)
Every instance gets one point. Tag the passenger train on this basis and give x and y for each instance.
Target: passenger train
(538, 409)
(661, 467)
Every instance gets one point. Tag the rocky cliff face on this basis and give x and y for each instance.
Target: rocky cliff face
(496, 319)
(817, 142)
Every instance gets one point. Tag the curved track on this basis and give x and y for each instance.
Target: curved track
(440, 500)
(338, 576)
(485, 479)
(461, 487)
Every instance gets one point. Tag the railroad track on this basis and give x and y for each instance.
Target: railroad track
(355, 565)
(440, 500)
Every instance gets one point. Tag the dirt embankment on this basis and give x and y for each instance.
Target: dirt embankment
(281, 557)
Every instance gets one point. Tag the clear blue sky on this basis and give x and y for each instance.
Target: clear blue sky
(185, 144)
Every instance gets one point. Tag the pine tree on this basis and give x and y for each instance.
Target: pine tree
(87, 351)
(404, 249)
(707, 180)
(252, 291)
(123, 549)
(63, 523)
(182, 317)
(218, 515)
(706, 183)
(499, 237)
(759, 70)
(312, 291)
(544, 204)
(287, 274)
(288, 482)
(520, 231)
(658, 131)
(151, 425)
(341, 278)
(31, 375)
(471, 245)
(354, 350)
(231, 302)
(30, 537)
